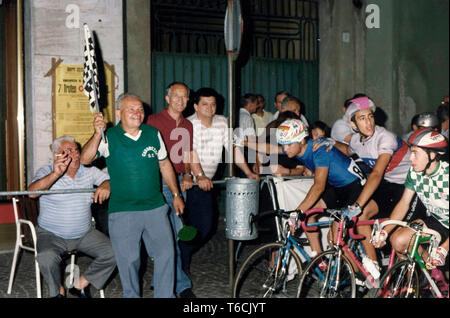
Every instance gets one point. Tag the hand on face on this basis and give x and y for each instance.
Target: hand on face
(61, 163)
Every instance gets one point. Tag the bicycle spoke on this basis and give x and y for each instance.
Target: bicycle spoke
(328, 276)
(268, 272)
(401, 281)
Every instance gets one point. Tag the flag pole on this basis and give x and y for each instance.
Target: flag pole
(91, 71)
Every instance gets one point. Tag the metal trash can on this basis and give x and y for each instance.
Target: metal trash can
(242, 201)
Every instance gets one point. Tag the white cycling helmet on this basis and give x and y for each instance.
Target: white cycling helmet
(291, 131)
(358, 104)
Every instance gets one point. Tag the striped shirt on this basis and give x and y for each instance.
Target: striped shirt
(209, 141)
(68, 215)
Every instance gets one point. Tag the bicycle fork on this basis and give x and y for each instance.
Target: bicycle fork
(278, 271)
(331, 282)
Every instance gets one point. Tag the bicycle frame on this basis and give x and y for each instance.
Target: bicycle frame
(416, 258)
(340, 244)
(291, 242)
(422, 265)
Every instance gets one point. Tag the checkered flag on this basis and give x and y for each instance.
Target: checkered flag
(90, 80)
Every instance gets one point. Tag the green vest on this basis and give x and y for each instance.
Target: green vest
(133, 167)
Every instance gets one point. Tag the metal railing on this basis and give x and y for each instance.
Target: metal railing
(67, 191)
(285, 29)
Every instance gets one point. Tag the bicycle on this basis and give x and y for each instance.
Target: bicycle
(338, 279)
(273, 269)
(403, 279)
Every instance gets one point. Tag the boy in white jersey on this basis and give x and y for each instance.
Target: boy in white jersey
(387, 156)
(428, 177)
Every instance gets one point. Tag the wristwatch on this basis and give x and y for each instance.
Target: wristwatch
(189, 174)
(176, 195)
(200, 175)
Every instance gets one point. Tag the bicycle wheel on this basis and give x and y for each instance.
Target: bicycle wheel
(263, 274)
(328, 276)
(400, 281)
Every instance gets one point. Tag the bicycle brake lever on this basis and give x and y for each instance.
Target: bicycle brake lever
(351, 225)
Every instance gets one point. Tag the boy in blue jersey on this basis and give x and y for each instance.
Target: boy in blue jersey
(337, 179)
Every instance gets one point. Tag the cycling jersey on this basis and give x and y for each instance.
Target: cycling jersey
(342, 170)
(383, 141)
(432, 190)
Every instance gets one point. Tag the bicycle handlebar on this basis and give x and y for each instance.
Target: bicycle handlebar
(361, 223)
(282, 213)
(353, 223)
(406, 224)
(311, 212)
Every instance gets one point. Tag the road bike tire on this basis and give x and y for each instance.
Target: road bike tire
(320, 283)
(257, 278)
(396, 283)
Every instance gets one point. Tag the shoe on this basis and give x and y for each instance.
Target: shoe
(187, 293)
(360, 279)
(59, 296)
(83, 293)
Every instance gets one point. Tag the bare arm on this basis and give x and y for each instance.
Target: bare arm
(60, 164)
(240, 162)
(399, 212)
(263, 147)
(343, 147)
(314, 193)
(90, 148)
(279, 170)
(203, 181)
(102, 192)
(400, 209)
(169, 177)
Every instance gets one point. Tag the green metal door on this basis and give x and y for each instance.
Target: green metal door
(260, 75)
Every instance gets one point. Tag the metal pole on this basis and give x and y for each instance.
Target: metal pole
(231, 110)
(231, 125)
(20, 101)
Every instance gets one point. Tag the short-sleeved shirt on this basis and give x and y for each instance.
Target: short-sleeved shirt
(133, 165)
(177, 138)
(246, 123)
(341, 129)
(68, 215)
(261, 122)
(383, 141)
(342, 170)
(432, 190)
(210, 141)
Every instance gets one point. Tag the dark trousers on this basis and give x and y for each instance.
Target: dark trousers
(199, 214)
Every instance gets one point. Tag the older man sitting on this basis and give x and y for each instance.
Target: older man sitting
(64, 221)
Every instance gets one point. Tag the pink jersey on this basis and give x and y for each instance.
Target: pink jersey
(383, 141)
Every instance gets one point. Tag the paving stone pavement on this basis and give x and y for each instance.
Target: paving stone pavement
(209, 272)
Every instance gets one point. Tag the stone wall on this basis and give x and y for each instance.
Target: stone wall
(53, 30)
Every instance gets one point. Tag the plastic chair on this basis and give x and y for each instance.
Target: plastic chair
(26, 211)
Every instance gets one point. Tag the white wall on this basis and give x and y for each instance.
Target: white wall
(48, 36)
